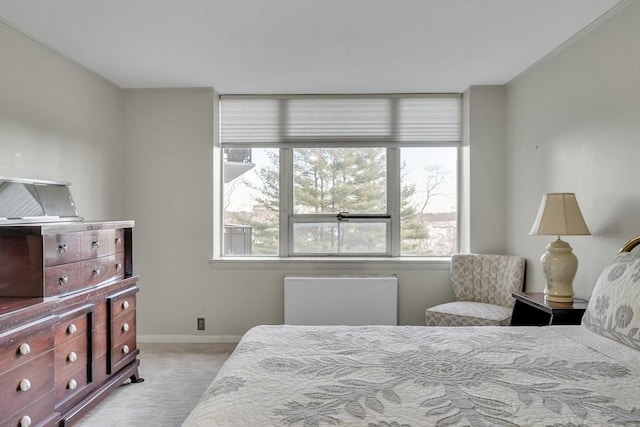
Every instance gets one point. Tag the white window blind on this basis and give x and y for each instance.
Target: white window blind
(341, 119)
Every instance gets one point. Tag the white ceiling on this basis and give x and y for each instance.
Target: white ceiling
(304, 46)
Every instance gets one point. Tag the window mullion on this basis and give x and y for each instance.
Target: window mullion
(286, 183)
(393, 198)
(286, 201)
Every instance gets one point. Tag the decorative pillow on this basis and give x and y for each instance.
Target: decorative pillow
(614, 308)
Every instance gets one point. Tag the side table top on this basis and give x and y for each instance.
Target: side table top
(537, 299)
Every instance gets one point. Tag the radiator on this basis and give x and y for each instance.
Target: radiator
(341, 300)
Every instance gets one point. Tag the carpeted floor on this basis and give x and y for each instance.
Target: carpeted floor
(175, 376)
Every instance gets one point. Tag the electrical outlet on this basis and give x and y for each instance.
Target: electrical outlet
(201, 323)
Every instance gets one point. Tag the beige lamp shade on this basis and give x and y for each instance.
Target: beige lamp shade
(559, 215)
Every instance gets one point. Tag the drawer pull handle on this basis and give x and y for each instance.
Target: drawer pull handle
(62, 248)
(95, 245)
(63, 280)
(118, 266)
(72, 329)
(118, 240)
(72, 357)
(25, 421)
(96, 272)
(125, 349)
(125, 327)
(25, 385)
(72, 384)
(125, 304)
(24, 349)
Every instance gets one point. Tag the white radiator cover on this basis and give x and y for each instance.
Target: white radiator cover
(340, 300)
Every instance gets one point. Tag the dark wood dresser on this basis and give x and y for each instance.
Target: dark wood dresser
(67, 319)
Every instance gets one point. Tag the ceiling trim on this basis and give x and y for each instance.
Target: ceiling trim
(573, 39)
(51, 50)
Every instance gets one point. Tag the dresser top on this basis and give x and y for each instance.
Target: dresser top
(15, 311)
(62, 227)
(11, 304)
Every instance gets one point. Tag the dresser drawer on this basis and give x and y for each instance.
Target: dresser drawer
(122, 302)
(71, 356)
(71, 385)
(26, 383)
(122, 353)
(71, 247)
(123, 327)
(62, 279)
(38, 413)
(73, 324)
(104, 269)
(61, 249)
(23, 344)
(100, 243)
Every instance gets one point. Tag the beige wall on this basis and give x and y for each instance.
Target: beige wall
(169, 174)
(574, 126)
(484, 177)
(59, 121)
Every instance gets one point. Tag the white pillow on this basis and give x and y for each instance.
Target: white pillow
(614, 308)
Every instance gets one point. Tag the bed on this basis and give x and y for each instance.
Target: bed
(403, 376)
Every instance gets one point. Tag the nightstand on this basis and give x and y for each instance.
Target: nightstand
(531, 309)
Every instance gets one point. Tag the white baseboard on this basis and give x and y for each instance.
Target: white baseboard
(207, 339)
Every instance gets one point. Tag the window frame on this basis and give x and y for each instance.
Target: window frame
(287, 219)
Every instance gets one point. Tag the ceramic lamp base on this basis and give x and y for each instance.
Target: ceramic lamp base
(554, 298)
(560, 266)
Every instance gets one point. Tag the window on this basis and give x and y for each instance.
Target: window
(340, 175)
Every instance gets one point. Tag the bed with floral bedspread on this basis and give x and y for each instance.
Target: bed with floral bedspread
(586, 375)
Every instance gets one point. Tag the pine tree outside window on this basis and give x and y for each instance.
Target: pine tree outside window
(372, 176)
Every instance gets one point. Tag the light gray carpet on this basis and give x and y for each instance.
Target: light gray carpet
(175, 376)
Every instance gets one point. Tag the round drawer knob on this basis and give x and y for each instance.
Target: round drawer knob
(96, 271)
(72, 357)
(125, 304)
(125, 349)
(25, 421)
(95, 245)
(72, 384)
(63, 280)
(24, 349)
(118, 240)
(125, 327)
(72, 329)
(118, 266)
(25, 385)
(62, 248)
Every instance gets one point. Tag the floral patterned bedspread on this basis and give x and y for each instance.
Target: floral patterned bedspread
(424, 376)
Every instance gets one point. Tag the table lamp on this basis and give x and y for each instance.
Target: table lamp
(559, 215)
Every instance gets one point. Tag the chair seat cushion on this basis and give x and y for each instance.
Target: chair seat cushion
(467, 313)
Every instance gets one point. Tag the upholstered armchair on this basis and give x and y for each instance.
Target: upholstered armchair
(482, 285)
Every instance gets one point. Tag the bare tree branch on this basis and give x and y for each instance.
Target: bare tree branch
(436, 176)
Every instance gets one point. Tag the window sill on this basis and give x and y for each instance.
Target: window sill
(333, 263)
